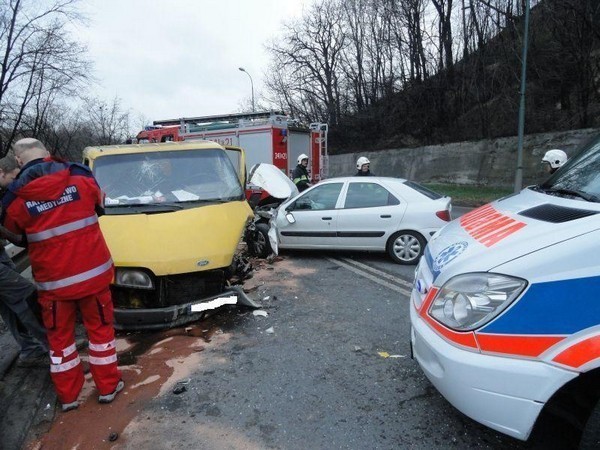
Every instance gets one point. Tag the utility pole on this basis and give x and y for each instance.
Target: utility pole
(519, 172)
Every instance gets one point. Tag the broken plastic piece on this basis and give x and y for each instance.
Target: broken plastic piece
(259, 312)
(179, 389)
(270, 330)
(384, 354)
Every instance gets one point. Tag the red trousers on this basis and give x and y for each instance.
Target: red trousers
(66, 371)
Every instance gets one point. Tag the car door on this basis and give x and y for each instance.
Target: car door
(369, 215)
(315, 216)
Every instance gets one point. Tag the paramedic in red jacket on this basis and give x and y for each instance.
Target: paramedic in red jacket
(54, 204)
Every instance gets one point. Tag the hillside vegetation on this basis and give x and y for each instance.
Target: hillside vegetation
(389, 73)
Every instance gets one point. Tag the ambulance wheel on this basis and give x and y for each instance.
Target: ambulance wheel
(406, 247)
(590, 439)
(259, 244)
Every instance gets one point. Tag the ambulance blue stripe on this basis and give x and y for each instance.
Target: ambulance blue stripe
(557, 307)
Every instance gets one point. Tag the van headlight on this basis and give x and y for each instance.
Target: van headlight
(133, 278)
(468, 301)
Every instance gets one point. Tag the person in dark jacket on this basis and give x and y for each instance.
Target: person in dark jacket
(300, 173)
(18, 299)
(363, 167)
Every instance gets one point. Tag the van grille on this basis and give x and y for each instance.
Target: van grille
(191, 287)
(556, 214)
(171, 290)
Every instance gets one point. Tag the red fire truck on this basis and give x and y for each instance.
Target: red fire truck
(266, 137)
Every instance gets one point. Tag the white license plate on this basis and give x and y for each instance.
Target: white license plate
(214, 304)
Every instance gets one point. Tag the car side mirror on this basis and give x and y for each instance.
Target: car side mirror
(290, 217)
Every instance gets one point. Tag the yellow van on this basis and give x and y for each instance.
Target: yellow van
(174, 215)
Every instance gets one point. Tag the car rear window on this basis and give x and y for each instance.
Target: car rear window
(423, 190)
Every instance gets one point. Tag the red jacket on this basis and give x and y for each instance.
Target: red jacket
(54, 203)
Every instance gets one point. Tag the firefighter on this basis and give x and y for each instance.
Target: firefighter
(300, 173)
(363, 167)
(54, 203)
(553, 160)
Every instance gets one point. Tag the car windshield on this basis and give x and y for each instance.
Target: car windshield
(579, 178)
(183, 176)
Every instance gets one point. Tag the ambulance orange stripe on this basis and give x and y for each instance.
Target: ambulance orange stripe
(461, 338)
(516, 345)
(488, 226)
(580, 353)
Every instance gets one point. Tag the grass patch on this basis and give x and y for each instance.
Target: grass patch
(466, 195)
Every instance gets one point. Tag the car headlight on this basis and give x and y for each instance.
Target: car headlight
(133, 278)
(468, 301)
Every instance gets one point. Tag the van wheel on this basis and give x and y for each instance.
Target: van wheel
(590, 439)
(406, 247)
(259, 245)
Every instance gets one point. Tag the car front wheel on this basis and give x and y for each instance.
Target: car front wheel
(406, 247)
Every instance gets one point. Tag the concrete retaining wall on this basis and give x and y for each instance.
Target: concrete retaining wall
(490, 162)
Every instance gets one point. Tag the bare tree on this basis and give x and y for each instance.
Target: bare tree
(38, 61)
(310, 54)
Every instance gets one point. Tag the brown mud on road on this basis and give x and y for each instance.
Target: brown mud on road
(153, 364)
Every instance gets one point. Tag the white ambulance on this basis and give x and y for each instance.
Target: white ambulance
(505, 309)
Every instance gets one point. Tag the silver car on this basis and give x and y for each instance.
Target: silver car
(390, 215)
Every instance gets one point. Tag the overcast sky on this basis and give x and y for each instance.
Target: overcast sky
(174, 58)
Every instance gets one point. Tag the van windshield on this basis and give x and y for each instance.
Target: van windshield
(183, 176)
(579, 178)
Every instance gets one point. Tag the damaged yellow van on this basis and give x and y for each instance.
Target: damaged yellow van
(174, 215)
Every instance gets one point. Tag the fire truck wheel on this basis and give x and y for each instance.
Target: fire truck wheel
(406, 247)
(260, 245)
(590, 439)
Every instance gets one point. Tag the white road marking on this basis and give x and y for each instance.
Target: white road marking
(379, 272)
(367, 275)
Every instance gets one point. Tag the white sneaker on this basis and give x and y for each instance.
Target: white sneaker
(69, 406)
(110, 397)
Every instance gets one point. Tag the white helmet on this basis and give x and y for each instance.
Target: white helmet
(362, 161)
(301, 157)
(555, 157)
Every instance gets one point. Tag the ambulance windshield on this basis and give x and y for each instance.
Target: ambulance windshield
(579, 178)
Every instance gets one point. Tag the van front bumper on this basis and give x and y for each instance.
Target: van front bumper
(173, 316)
(503, 393)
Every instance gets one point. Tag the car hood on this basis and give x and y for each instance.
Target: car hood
(505, 230)
(188, 240)
(272, 180)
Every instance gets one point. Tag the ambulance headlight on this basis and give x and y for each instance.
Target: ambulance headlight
(469, 301)
(133, 278)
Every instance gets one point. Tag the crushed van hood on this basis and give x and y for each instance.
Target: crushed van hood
(184, 241)
(502, 231)
(272, 180)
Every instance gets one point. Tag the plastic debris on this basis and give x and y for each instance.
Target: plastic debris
(357, 348)
(179, 389)
(270, 330)
(397, 356)
(266, 298)
(384, 354)
(259, 312)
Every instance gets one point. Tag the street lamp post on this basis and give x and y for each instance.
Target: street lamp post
(251, 85)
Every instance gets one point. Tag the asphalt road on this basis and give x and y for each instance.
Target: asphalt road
(329, 367)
